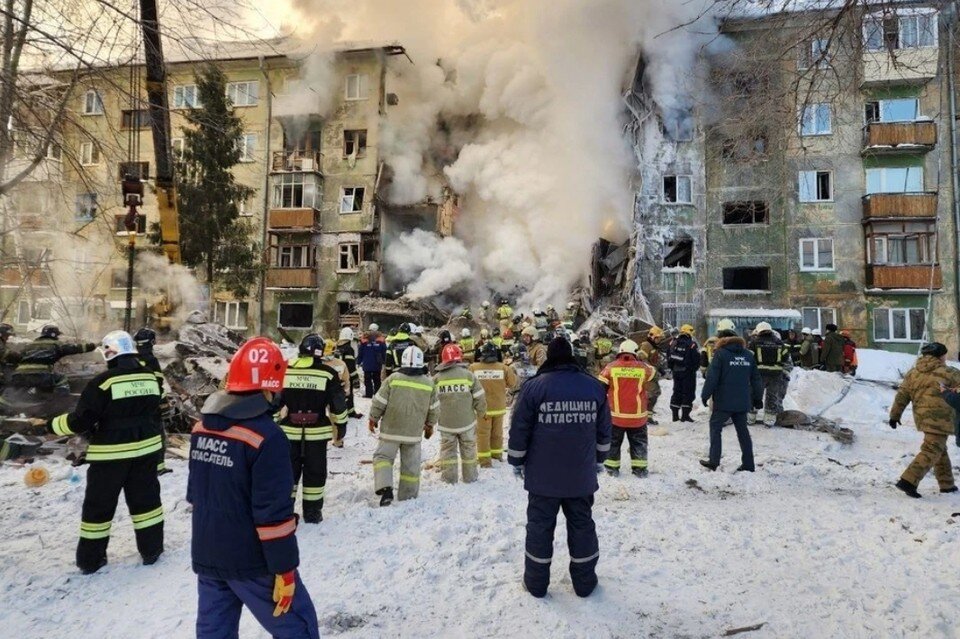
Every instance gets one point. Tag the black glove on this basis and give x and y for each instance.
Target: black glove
(894, 423)
(706, 403)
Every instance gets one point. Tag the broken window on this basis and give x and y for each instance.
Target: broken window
(349, 256)
(677, 125)
(816, 186)
(816, 254)
(354, 142)
(751, 212)
(679, 254)
(814, 53)
(118, 278)
(746, 278)
(677, 189)
(816, 119)
(137, 170)
(23, 312)
(371, 248)
(679, 314)
(295, 315)
(294, 256)
(86, 207)
(351, 199)
(747, 147)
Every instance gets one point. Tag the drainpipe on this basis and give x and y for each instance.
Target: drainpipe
(266, 199)
(951, 15)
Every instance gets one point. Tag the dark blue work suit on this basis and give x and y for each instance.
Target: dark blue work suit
(559, 432)
(240, 486)
(733, 382)
(684, 362)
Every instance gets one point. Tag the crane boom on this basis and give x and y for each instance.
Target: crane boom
(156, 85)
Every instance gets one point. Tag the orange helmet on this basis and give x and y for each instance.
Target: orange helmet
(508, 334)
(845, 332)
(451, 353)
(258, 365)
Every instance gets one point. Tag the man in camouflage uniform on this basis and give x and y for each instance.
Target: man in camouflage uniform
(923, 385)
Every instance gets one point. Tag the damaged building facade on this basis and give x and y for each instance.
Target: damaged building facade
(818, 184)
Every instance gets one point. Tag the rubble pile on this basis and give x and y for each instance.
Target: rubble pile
(618, 321)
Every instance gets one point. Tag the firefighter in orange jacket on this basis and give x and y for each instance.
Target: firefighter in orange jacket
(628, 379)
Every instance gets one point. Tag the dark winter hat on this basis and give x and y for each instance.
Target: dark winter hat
(559, 352)
(936, 349)
(726, 333)
(831, 327)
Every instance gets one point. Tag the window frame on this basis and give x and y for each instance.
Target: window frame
(142, 117)
(234, 86)
(816, 199)
(89, 198)
(280, 306)
(177, 147)
(890, 338)
(359, 150)
(352, 199)
(231, 308)
(94, 151)
(183, 103)
(677, 190)
(815, 243)
(723, 214)
(813, 58)
(97, 105)
(305, 253)
(362, 88)
(880, 102)
(21, 304)
(244, 145)
(340, 255)
(286, 184)
(819, 310)
(122, 232)
(902, 14)
(815, 119)
(883, 172)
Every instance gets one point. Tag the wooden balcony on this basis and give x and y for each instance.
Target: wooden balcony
(291, 278)
(297, 162)
(899, 137)
(900, 206)
(912, 276)
(293, 219)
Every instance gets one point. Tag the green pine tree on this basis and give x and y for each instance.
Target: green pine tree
(212, 234)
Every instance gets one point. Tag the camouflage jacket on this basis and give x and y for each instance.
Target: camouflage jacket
(921, 385)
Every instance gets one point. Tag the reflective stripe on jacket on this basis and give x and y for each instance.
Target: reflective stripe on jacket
(626, 379)
(461, 398)
(404, 405)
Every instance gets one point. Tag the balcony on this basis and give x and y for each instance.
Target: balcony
(293, 220)
(906, 276)
(904, 66)
(291, 278)
(880, 206)
(297, 162)
(899, 137)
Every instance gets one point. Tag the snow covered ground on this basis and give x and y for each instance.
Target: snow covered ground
(816, 543)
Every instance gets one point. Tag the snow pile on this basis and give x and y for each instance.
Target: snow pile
(883, 366)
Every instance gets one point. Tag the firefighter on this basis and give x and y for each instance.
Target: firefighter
(462, 402)
(38, 358)
(536, 352)
(650, 352)
(396, 344)
(603, 347)
(540, 320)
(338, 365)
(416, 336)
(706, 354)
(346, 353)
(497, 380)
(773, 361)
(467, 344)
(627, 379)
(570, 315)
(316, 412)
(684, 361)
(244, 545)
(407, 404)
(485, 314)
(119, 409)
(809, 350)
(553, 317)
(505, 315)
(507, 342)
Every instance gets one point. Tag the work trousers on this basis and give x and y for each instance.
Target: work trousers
(581, 540)
(451, 460)
(684, 389)
(309, 460)
(371, 382)
(220, 602)
(637, 446)
(774, 390)
(717, 421)
(137, 478)
(933, 454)
(653, 394)
(383, 459)
(489, 439)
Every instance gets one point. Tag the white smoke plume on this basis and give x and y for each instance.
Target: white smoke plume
(431, 262)
(518, 105)
(158, 277)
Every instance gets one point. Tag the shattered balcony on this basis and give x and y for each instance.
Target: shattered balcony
(904, 276)
(899, 137)
(921, 205)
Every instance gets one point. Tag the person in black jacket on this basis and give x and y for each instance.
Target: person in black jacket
(560, 435)
(38, 358)
(733, 383)
(684, 361)
(119, 409)
(346, 352)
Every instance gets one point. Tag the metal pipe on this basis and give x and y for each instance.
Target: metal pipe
(954, 159)
(266, 199)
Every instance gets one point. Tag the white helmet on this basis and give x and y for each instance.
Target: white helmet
(805, 331)
(374, 327)
(629, 346)
(763, 327)
(726, 324)
(816, 332)
(484, 333)
(416, 330)
(346, 334)
(485, 304)
(536, 310)
(570, 305)
(117, 343)
(465, 332)
(412, 357)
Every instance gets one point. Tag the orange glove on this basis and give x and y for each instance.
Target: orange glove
(283, 586)
(372, 425)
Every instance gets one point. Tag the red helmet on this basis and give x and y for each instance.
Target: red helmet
(451, 353)
(258, 365)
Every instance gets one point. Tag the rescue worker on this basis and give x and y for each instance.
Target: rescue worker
(650, 352)
(809, 350)
(923, 386)
(505, 315)
(145, 338)
(38, 358)
(244, 545)
(497, 379)
(416, 336)
(338, 365)
(316, 413)
(483, 339)
(627, 379)
(559, 436)
(581, 353)
(818, 338)
(603, 348)
(396, 344)
(462, 403)
(684, 361)
(706, 354)
(407, 404)
(570, 315)
(346, 353)
(772, 357)
(849, 354)
(794, 342)
(831, 357)
(372, 355)
(507, 342)
(119, 412)
(553, 317)
(467, 344)
(540, 321)
(485, 314)
(536, 352)
(733, 385)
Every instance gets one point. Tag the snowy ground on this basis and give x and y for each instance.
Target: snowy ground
(816, 543)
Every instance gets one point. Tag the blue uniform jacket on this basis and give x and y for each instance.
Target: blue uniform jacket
(371, 355)
(240, 486)
(559, 431)
(733, 379)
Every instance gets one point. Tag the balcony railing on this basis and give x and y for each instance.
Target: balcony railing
(899, 205)
(904, 276)
(297, 162)
(294, 219)
(291, 278)
(899, 137)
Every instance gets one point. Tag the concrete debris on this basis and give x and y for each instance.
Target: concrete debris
(618, 321)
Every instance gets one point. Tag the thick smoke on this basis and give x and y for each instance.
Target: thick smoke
(516, 104)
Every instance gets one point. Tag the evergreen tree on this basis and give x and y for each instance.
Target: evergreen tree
(212, 234)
